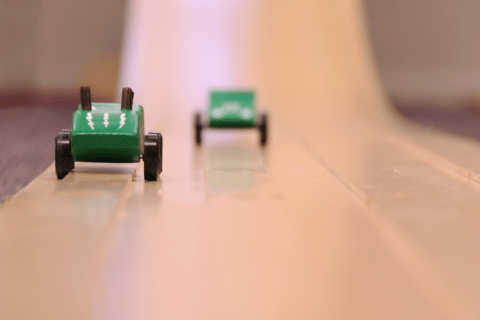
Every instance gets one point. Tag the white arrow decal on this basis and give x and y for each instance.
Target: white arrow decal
(89, 119)
(105, 118)
(122, 120)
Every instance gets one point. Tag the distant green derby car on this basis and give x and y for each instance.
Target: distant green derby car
(108, 132)
(233, 109)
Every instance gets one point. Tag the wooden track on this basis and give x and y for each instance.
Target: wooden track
(349, 213)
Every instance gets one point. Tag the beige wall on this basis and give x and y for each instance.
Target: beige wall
(428, 51)
(59, 43)
(19, 43)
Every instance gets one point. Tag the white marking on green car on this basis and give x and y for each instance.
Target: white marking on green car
(89, 119)
(217, 113)
(246, 113)
(231, 107)
(122, 120)
(105, 118)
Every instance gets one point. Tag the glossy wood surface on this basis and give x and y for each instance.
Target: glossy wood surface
(348, 213)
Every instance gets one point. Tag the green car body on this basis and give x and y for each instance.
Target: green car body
(232, 109)
(108, 133)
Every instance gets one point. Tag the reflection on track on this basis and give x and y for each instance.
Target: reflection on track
(96, 187)
(232, 160)
(54, 236)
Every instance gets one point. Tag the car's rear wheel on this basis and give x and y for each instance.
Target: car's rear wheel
(198, 128)
(160, 149)
(152, 156)
(263, 127)
(64, 162)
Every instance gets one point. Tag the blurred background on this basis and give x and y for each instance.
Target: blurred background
(48, 49)
(427, 54)
(54, 45)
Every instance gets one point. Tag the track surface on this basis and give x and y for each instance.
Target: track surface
(349, 213)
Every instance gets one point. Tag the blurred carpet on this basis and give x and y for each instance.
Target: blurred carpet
(461, 121)
(28, 126)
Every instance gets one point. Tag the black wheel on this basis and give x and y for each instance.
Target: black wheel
(160, 147)
(198, 128)
(64, 162)
(263, 126)
(152, 157)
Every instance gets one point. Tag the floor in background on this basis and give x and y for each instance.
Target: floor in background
(29, 122)
(27, 134)
(464, 122)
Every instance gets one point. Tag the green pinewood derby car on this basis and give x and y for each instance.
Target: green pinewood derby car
(108, 132)
(231, 110)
